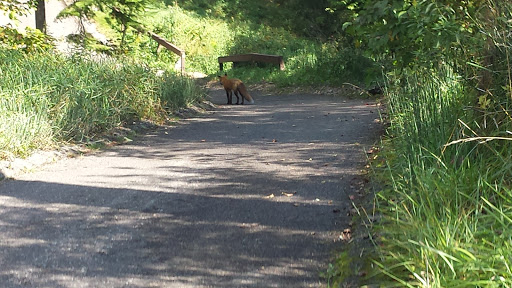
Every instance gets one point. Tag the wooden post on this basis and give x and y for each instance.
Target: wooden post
(182, 62)
(41, 16)
(281, 63)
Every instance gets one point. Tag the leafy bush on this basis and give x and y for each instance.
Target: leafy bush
(32, 40)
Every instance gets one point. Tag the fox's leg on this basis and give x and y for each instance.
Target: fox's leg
(236, 94)
(241, 95)
(228, 94)
(231, 97)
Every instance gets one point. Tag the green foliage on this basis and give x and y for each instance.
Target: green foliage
(30, 41)
(205, 36)
(46, 98)
(338, 271)
(413, 31)
(304, 18)
(447, 205)
(82, 9)
(448, 150)
(15, 7)
(447, 208)
(123, 13)
(202, 39)
(314, 65)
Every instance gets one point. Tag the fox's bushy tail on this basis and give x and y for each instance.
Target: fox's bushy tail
(245, 93)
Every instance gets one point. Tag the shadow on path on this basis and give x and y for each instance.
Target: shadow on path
(243, 197)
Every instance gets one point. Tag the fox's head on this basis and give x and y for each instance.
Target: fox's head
(223, 78)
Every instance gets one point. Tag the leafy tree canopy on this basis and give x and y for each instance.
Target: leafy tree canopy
(122, 12)
(15, 7)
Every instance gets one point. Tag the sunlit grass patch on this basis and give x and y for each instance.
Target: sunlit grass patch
(46, 98)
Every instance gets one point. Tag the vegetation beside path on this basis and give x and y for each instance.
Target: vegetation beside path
(46, 98)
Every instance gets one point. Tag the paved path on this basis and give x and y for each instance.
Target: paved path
(243, 197)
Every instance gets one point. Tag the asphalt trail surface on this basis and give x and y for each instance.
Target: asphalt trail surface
(245, 196)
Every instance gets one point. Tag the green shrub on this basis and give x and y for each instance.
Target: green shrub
(30, 41)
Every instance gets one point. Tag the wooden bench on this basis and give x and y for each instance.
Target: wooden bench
(252, 57)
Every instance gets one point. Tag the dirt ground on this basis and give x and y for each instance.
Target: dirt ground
(243, 196)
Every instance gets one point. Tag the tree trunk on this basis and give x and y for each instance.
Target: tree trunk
(41, 16)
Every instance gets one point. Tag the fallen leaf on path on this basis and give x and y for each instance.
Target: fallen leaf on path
(346, 235)
(248, 225)
(288, 194)
(372, 150)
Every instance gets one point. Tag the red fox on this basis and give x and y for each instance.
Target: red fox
(235, 86)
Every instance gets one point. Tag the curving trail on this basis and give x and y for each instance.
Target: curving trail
(245, 196)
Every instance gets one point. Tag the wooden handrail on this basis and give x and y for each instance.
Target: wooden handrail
(171, 47)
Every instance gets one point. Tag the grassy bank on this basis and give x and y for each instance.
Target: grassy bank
(46, 98)
(447, 208)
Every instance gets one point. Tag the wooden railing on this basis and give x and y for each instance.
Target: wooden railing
(252, 57)
(171, 47)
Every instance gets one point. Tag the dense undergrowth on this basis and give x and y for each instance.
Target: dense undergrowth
(46, 98)
(447, 208)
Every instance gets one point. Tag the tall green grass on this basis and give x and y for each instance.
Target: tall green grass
(46, 98)
(447, 210)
